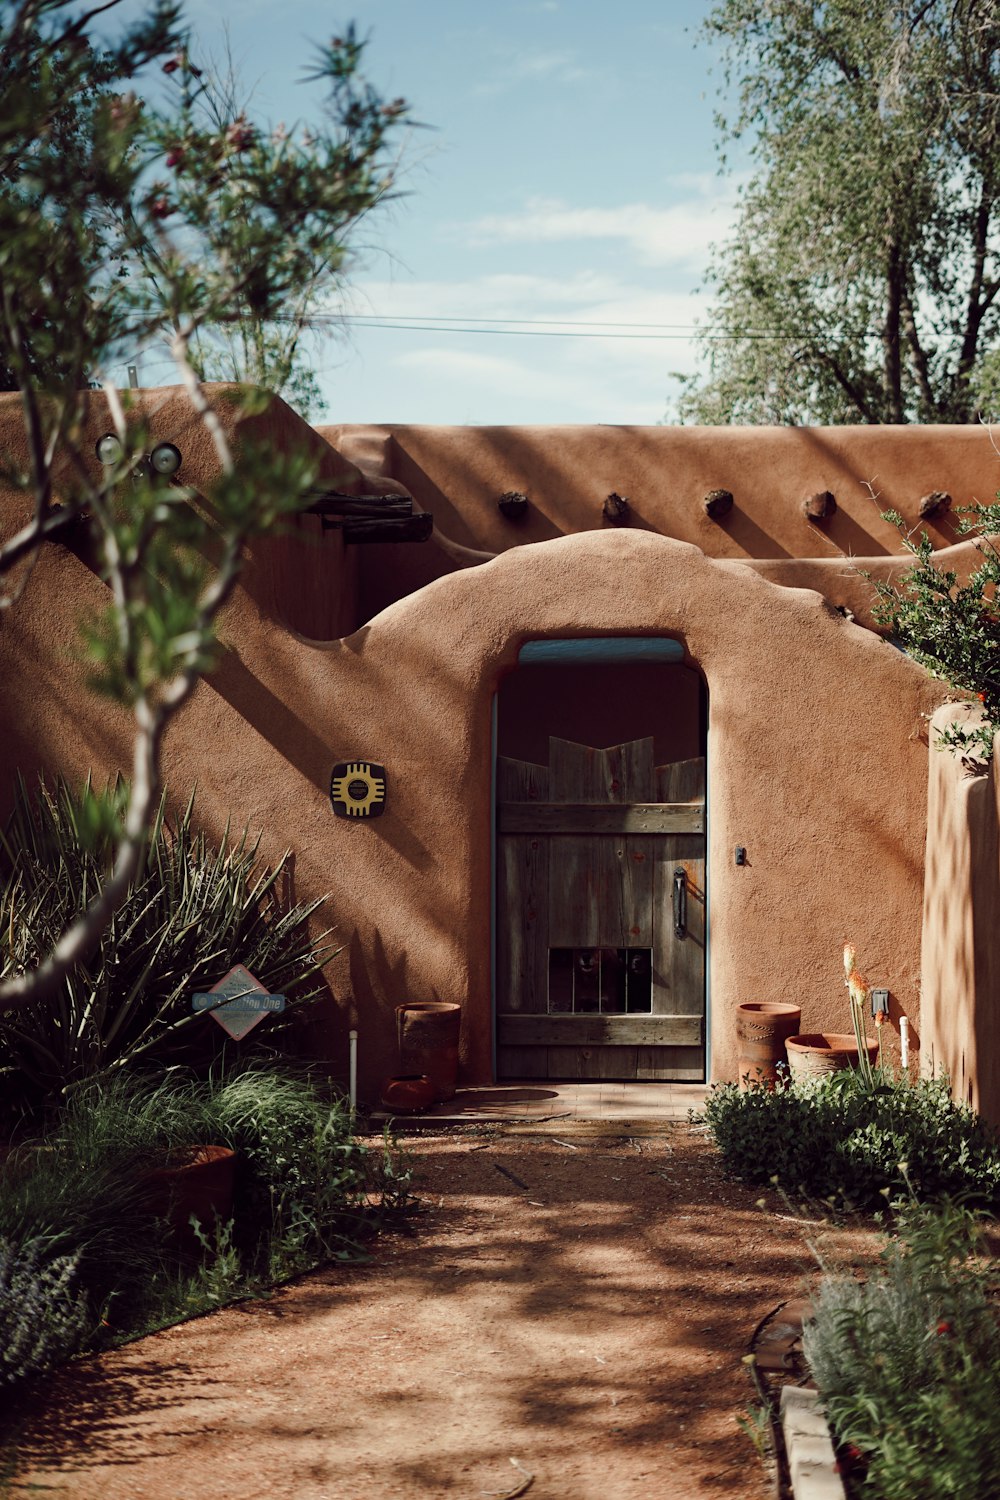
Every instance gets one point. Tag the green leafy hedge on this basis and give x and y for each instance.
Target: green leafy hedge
(841, 1138)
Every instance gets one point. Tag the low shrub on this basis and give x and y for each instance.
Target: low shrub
(842, 1137)
(43, 1317)
(307, 1192)
(908, 1363)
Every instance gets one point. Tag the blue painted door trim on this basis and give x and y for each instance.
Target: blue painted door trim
(602, 648)
(598, 649)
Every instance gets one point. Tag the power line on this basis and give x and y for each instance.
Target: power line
(556, 328)
(552, 333)
(540, 322)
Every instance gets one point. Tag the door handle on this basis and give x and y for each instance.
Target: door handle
(680, 901)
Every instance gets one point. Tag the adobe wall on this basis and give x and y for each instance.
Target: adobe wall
(816, 740)
(814, 729)
(666, 472)
(960, 970)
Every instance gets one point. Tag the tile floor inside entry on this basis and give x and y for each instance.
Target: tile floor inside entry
(539, 1101)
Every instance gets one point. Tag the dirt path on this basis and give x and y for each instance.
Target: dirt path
(590, 1325)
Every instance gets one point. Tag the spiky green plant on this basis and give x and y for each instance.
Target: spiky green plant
(195, 909)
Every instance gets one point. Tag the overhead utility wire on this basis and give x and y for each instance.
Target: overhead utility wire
(553, 333)
(539, 322)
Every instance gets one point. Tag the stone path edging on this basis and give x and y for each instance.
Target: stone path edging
(811, 1462)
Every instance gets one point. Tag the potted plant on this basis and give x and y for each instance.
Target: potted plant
(811, 1054)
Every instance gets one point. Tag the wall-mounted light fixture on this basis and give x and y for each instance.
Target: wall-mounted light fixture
(165, 459)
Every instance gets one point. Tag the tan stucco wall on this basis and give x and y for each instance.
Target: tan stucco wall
(816, 740)
(960, 972)
(814, 727)
(458, 473)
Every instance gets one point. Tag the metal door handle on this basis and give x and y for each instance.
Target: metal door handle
(680, 901)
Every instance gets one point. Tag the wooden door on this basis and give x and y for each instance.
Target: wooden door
(601, 915)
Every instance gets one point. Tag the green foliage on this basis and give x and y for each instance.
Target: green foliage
(860, 284)
(78, 1200)
(69, 163)
(122, 223)
(42, 1316)
(951, 628)
(193, 911)
(908, 1363)
(121, 218)
(843, 1139)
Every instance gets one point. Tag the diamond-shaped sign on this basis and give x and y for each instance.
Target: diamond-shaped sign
(238, 1002)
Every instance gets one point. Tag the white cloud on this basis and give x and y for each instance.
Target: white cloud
(539, 307)
(505, 294)
(552, 67)
(679, 234)
(497, 388)
(555, 67)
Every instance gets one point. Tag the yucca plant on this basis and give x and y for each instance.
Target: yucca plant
(194, 911)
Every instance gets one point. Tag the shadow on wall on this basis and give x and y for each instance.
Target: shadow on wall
(984, 861)
(961, 964)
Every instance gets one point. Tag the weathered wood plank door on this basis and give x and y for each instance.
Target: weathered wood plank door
(601, 915)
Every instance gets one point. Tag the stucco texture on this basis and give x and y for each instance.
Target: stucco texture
(665, 473)
(960, 982)
(816, 737)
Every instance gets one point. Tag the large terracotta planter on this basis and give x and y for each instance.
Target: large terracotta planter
(763, 1027)
(816, 1053)
(428, 1032)
(198, 1181)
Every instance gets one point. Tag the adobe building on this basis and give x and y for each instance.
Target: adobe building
(614, 743)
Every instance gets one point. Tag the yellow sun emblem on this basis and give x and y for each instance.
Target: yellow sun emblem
(357, 789)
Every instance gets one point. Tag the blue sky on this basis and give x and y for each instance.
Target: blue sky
(567, 176)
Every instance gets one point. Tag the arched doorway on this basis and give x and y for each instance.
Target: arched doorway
(600, 882)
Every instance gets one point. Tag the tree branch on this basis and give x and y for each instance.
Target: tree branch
(919, 355)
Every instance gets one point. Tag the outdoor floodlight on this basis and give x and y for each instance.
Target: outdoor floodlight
(109, 449)
(165, 459)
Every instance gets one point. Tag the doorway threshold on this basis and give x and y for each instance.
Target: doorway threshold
(535, 1101)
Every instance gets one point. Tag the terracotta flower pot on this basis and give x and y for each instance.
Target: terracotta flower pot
(428, 1032)
(763, 1027)
(815, 1053)
(198, 1181)
(409, 1093)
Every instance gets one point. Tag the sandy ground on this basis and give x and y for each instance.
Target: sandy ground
(588, 1325)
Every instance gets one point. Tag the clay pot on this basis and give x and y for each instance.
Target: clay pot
(763, 1027)
(197, 1180)
(409, 1093)
(815, 1053)
(427, 1032)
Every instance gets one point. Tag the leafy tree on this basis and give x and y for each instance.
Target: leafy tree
(952, 628)
(861, 283)
(121, 221)
(275, 354)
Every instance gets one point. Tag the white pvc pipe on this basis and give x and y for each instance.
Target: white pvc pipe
(353, 1083)
(904, 1042)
